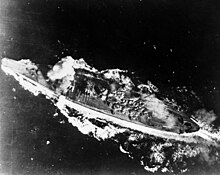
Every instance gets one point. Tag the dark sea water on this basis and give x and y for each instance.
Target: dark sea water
(171, 43)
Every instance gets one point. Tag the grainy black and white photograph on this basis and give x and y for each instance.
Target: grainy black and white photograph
(109, 87)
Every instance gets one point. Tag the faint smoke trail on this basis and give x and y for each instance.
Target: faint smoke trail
(205, 116)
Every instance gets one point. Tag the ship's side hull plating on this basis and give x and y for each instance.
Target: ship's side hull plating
(94, 106)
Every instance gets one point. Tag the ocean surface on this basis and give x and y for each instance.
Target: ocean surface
(173, 44)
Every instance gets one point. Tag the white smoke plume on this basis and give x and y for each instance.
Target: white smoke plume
(159, 110)
(205, 116)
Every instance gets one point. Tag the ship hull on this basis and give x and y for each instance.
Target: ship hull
(88, 111)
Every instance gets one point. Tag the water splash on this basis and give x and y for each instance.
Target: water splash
(156, 152)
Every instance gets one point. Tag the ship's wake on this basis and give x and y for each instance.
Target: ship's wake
(155, 151)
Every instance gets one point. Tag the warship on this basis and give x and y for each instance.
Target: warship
(109, 95)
